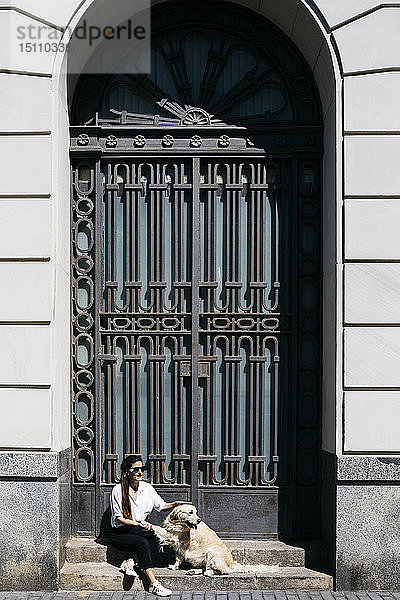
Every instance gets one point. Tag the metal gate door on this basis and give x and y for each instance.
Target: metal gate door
(176, 316)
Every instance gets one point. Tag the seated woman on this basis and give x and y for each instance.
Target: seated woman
(132, 501)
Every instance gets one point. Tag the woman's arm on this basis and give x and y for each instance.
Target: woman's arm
(132, 522)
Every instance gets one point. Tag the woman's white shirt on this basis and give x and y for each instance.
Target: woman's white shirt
(147, 499)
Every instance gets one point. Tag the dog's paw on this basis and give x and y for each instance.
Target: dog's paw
(211, 573)
(173, 567)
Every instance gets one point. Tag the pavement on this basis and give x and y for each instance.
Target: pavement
(209, 595)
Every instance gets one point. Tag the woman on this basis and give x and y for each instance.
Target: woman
(132, 501)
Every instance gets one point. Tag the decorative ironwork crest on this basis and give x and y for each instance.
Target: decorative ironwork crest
(186, 116)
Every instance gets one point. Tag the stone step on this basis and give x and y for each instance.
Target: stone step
(246, 552)
(96, 576)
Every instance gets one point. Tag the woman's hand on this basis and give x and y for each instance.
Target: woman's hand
(146, 525)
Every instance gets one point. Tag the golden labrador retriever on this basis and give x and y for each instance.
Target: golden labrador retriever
(194, 542)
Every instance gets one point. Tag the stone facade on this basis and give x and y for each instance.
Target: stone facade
(35, 492)
(353, 47)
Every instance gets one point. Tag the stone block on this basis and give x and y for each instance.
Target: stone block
(371, 165)
(331, 278)
(35, 490)
(35, 465)
(64, 512)
(260, 552)
(25, 418)
(372, 356)
(92, 576)
(307, 35)
(329, 362)
(26, 164)
(372, 293)
(372, 421)
(378, 113)
(222, 511)
(324, 76)
(58, 13)
(30, 292)
(283, 15)
(28, 357)
(25, 103)
(341, 10)
(28, 535)
(245, 552)
(368, 537)
(17, 29)
(328, 508)
(368, 468)
(32, 219)
(371, 42)
(372, 229)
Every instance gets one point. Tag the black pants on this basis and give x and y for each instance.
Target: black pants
(135, 539)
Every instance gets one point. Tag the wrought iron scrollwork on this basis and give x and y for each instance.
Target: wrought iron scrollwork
(271, 84)
(83, 253)
(145, 320)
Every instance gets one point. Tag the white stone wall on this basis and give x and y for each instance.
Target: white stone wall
(359, 93)
(369, 47)
(34, 239)
(353, 47)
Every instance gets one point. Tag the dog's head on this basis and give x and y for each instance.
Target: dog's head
(183, 517)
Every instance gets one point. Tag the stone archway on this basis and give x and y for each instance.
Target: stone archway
(269, 89)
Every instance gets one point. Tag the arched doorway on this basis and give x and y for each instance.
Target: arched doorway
(207, 418)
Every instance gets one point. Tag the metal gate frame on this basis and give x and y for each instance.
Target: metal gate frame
(96, 141)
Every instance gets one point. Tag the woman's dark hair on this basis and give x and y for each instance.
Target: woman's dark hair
(126, 464)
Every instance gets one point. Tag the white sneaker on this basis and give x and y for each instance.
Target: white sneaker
(159, 590)
(128, 567)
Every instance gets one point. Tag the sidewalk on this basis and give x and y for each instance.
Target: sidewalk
(257, 595)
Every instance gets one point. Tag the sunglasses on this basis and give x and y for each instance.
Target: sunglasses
(136, 469)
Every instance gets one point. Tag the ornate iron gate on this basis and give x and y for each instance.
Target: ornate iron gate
(176, 315)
